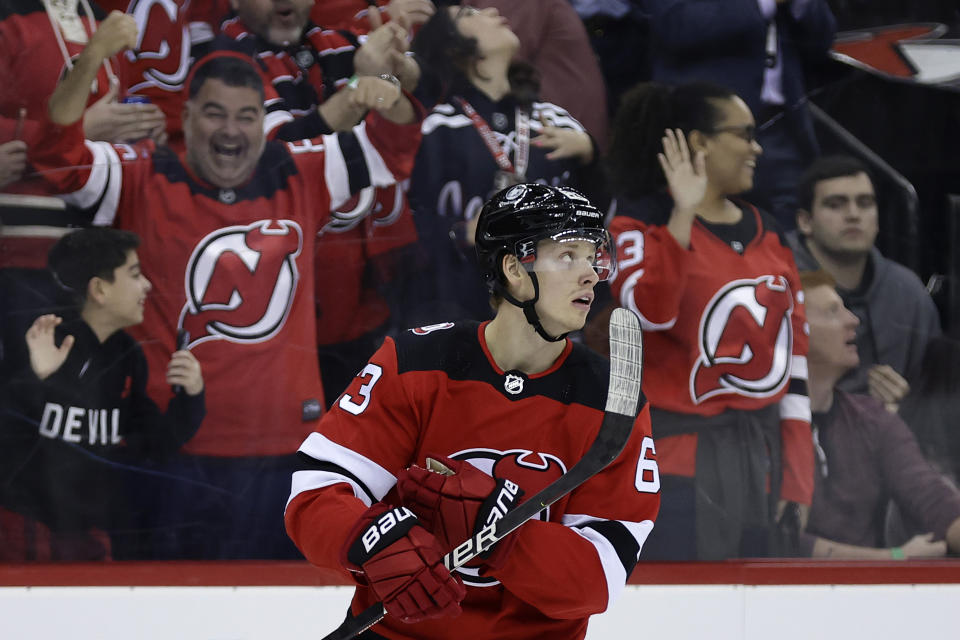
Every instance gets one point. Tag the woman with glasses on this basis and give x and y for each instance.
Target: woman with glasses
(719, 297)
(487, 130)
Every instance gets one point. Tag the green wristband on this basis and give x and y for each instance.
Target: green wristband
(897, 553)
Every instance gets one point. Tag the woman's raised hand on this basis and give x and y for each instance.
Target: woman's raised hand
(686, 176)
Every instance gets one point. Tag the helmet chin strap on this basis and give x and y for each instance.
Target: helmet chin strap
(529, 310)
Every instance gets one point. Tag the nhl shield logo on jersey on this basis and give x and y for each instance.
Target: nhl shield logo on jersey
(513, 383)
(746, 340)
(240, 282)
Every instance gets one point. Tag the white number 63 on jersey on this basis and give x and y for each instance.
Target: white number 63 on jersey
(349, 403)
(648, 473)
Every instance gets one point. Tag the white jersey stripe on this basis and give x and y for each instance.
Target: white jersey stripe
(274, 119)
(107, 211)
(309, 480)
(92, 190)
(794, 406)
(380, 175)
(798, 368)
(377, 479)
(613, 568)
(436, 120)
(335, 171)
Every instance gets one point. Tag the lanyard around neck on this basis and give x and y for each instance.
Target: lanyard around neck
(51, 8)
(522, 155)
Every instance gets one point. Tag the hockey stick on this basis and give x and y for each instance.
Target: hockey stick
(623, 400)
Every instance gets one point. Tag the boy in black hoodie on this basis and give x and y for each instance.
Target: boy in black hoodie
(81, 422)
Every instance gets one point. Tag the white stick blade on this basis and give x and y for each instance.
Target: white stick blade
(626, 362)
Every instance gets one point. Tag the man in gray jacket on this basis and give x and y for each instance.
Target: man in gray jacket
(836, 230)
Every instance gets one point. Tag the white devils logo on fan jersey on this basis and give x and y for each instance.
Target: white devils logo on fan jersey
(161, 56)
(382, 204)
(745, 340)
(240, 282)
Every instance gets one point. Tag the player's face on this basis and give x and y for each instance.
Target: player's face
(833, 329)
(279, 22)
(566, 276)
(491, 30)
(125, 297)
(223, 130)
(731, 150)
(844, 217)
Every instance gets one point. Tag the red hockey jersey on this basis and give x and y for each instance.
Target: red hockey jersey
(234, 266)
(32, 63)
(724, 329)
(437, 390)
(374, 222)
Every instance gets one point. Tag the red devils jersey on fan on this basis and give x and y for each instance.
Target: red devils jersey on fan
(374, 222)
(31, 64)
(234, 266)
(354, 259)
(723, 330)
(296, 78)
(437, 390)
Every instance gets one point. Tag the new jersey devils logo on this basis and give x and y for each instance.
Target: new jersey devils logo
(240, 282)
(531, 471)
(382, 204)
(162, 54)
(745, 340)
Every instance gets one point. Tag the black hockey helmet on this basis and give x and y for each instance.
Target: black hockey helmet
(515, 219)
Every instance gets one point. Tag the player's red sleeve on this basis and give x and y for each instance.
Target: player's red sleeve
(330, 511)
(651, 272)
(579, 566)
(795, 435)
(348, 464)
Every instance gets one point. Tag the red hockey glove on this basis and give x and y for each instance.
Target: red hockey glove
(403, 564)
(457, 501)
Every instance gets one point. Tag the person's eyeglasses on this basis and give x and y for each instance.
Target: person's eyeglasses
(747, 132)
(466, 10)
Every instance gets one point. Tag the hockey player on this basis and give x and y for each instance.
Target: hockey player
(229, 229)
(719, 298)
(509, 403)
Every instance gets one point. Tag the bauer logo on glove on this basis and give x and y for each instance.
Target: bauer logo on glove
(381, 528)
